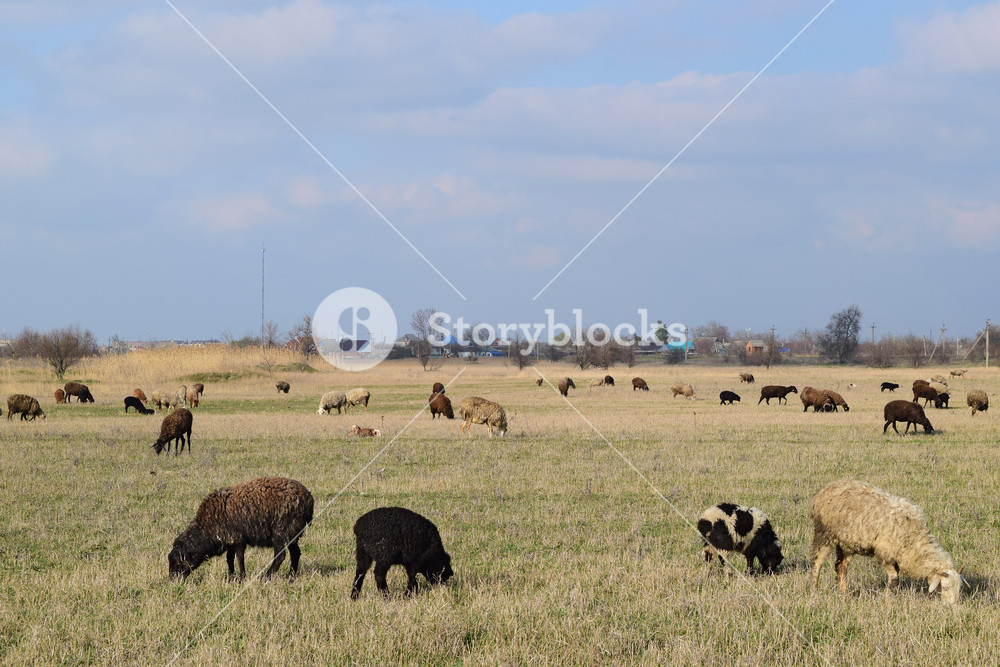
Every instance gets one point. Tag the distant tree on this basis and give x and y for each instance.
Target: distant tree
(26, 344)
(301, 337)
(517, 354)
(712, 330)
(839, 340)
(271, 334)
(420, 322)
(64, 348)
(882, 353)
(913, 349)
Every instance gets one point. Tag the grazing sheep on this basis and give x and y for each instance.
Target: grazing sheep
(891, 386)
(133, 402)
(941, 400)
(746, 530)
(358, 396)
(440, 405)
(199, 387)
(174, 427)
(438, 388)
(858, 518)
(728, 397)
(609, 381)
(161, 398)
(331, 400)
(26, 406)
(138, 393)
(476, 410)
(747, 377)
(838, 400)
(282, 386)
(539, 382)
(978, 401)
(924, 391)
(264, 512)
(683, 389)
(776, 391)
(565, 385)
(957, 373)
(60, 396)
(182, 392)
(193, 397)
(817, 399)
(599, 382)
(81, 391)
(639, 383)
(905, 411)
(938, 387)
(365, 432)
(939, 378)
(391, 536)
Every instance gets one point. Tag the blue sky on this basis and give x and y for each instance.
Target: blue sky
(140, 175)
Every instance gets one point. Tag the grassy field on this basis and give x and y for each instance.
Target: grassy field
(563, 553)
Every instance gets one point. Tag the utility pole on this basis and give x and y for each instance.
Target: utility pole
(987, 343)
(262, 296)
(873, 334)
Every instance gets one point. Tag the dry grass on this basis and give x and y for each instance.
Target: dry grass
(563, 554)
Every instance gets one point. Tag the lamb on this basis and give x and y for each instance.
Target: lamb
(161, 398)
(838, 400)
(26, 406)
(440, 405)
(728, 397)
(193, 397)
(565, 385)
(924, 391)
(682, 388)
(358, 396)
(138, 393)
(182, 392)
(438, 388)
(941, 400)
(81, 391)
(746, 530)
(174, 427)
(391, 536)
(331, 400)
(817, 399)
(639, 383)
(476, 410)
(858, 518)
(776, 391)
(977, 400)
(957, 373)
(60, 396)
(891, 386)
(133, 402)
(747, 377)
(264, 512)
(282, 386)
(905, 411)
(365, 432)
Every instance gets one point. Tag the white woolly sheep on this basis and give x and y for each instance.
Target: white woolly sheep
(331, 400)
(978, 401)
(161, 398)
(938, 378)
(182, 393)
(746, 530)
(476, 410)
(959, 372)
(858, 518)
(358, 396)
(682, 388)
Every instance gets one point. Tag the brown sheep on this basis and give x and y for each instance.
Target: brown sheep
(816, 399)
(365, 432)
(838, 400)
(958, 373)
(282, 386)
(905, 411)
(476, 410)
(199, 387)
(978, 401)
(438, 388)
(539, 381)
(747, 377)
(138, 393)
(639, 383)
(609, 381)
(26, 406)
(193, 397)
(776, 391)
(60, 396)
(175, 426)
(81, 391)
(440, 405)
(924, 391)
(683, 389)
(565, 385)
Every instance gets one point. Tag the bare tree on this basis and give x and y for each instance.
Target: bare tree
(64, 348)
(421, 325)
(301, 337)
(912, 349)
(517, 354)
(271, 335)
(839, 340)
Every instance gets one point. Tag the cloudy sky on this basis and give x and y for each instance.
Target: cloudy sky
(141, 172)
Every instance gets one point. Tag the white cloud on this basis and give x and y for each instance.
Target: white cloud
(966, 41)
(306, 192)
(24, 151)
(234, 212)
(969, 224)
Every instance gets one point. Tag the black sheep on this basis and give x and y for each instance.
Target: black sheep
(264, 512)
(133, 402)
(746, 530)
(891, 386)
(609, 381)
(397, 536)
(728, 397)
(941, 401)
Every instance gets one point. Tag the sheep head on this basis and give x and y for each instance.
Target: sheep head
(771, 558)
(950, 582)
(438, 571)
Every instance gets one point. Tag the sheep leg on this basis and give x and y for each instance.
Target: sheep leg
(892, 570)
(294, 552)
(230, 558)
(411, 579)
(364, 562)
(381, 569)
(843, 562)
(820, 553)
(279, 557)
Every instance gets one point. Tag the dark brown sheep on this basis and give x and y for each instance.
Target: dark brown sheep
(440, 405)
(838, 400)
(264, 512)
(282, 386)
(639, 383)
(539, 382)
(138, 393)
(199, 387)
(26, 406)
(60, 396)
(81, 391)
(905, 411)
(565, 385)
(438, 388)
(609, 381)
(133, 402)
(817, 399)
(775, 391)
(924, 391)
(747, 377)
(175, 426)
(391, 536)
(941, 400)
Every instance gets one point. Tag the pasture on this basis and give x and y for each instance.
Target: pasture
(563, 552)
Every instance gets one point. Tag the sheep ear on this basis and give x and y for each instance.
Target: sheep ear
(935, 582)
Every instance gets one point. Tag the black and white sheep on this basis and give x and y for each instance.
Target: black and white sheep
(331, 400)
(133, 402)
(264, 512)
(728, 397)
(391, 536)
(905, 411)
(891, 386)
(854, 517)
(639, 383)
(24, 405)
(977, 400)
(745, 530)
(81, 391)
(282, 386)
(775, 391)
(173, 429)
